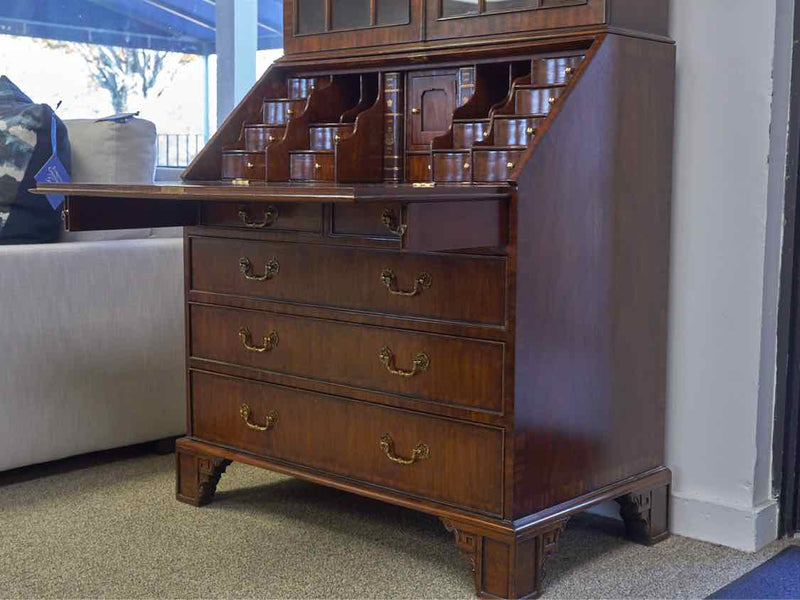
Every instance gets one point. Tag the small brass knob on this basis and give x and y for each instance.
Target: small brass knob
(290, 111)
(271, 139)
(317, 166)
(551, 99)
(415, 111)
(466, 165)
(429, 167)
(529, 130)
(510, 165)
(337, 138)
(250, 165)
(313, 87)
(568, 71)
(485, 134)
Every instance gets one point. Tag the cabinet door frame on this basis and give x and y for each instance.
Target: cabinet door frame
(548, 14)
(360, 37)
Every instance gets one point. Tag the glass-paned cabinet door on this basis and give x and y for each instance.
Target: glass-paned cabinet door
(459, 18)
(314, 25)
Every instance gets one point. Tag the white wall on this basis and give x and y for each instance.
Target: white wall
(727, 218)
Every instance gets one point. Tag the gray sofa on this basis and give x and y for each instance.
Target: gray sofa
(91, 334)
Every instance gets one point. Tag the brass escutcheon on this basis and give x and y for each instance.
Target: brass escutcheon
(421, 452)
(270, 216)
(423, 282)
(270, 341)
(421, 363)
(392, 222)
(270, 270)
(272, 418)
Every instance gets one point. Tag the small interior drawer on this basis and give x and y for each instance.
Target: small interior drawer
(258, 137)
(495, 165)
(241, 164)
(312, 166)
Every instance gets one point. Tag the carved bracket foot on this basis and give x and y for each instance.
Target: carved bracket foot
(197, 476)
(510, 566)
(646, 515)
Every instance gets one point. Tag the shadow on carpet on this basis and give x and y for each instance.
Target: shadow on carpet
(779, 577)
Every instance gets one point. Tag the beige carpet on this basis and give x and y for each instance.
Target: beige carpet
(114, 530)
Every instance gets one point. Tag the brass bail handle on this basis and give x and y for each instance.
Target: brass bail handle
(271, 269)
(421, 363)
(421, 452)
(270, 216)
(270, 341)
(423, 282)
(392, 222)
(272, 418)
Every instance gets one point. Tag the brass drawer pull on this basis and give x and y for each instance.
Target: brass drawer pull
(421, 363)
(392, 223)
(421, 452)
(270, 216)
(270, 341)
(415, 111)
(423, 282)
(270, 270)
(272, 418)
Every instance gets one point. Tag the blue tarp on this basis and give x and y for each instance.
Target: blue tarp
(175, 25)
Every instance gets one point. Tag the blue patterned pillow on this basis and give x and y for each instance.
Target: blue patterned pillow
(25, 146)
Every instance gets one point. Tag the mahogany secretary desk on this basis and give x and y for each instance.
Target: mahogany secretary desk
(427, 262)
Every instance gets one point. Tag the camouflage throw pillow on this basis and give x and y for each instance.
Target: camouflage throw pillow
(25, 146)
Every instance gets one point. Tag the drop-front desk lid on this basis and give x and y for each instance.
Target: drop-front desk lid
(255, 191)
(436, 217)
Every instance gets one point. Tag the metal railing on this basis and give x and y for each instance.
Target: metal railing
(178, 149)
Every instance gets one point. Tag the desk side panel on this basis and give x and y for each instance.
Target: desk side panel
(592, 264)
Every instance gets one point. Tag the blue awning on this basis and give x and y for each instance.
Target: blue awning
(176, 25)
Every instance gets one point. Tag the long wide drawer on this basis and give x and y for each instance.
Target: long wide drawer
(450, 370)
(446, 287)
(448, 461)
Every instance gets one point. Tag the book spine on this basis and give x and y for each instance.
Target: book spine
(466, 84)
(394, 133)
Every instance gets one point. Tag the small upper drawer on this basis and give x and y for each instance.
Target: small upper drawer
(444, 460)
(443, 286)
(263, 217)
(458, 372)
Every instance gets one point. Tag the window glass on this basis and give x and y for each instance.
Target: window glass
(102, 58)
(496, 5)
(310, 16)
(350, 14)
(393, 12)
(452, 8)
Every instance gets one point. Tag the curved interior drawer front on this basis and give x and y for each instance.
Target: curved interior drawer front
(455, 371)
(262, 216)
(443, 286)
(449, 461)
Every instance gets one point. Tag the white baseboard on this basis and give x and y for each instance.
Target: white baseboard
(743, 528)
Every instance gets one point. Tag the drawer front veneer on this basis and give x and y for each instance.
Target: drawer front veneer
(450, 461)
(262, 216)
(454, 371)
(442, 286)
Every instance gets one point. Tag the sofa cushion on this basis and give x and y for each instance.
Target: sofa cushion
(112, 151)
(25, 146)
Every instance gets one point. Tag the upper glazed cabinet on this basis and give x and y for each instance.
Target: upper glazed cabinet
(329, 25)
(333, 24)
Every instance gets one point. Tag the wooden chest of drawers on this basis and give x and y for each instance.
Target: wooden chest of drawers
(365, 310)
